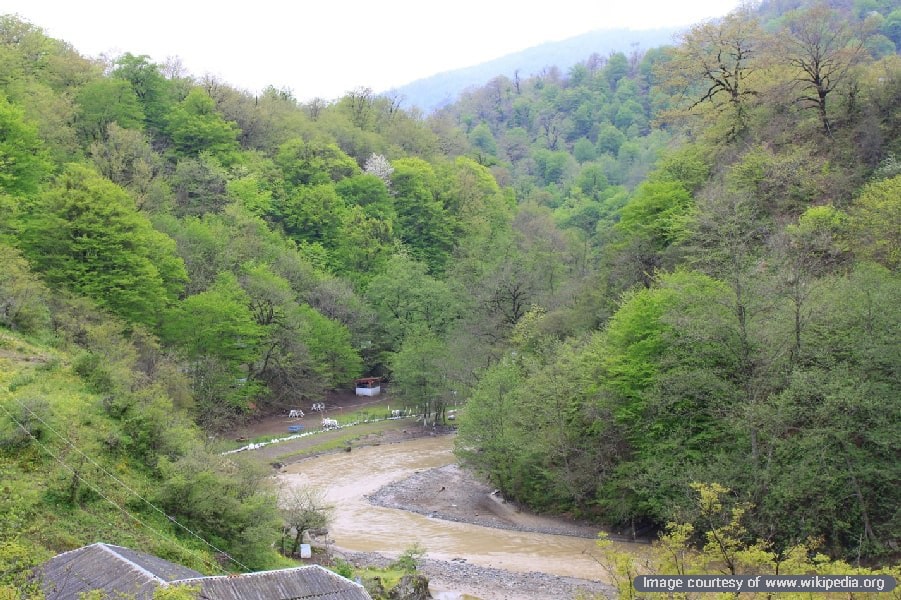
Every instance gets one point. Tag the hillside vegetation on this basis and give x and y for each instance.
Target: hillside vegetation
(648, 274)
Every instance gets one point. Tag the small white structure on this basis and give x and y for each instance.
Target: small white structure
(369, 386)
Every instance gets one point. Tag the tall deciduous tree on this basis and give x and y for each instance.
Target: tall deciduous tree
(23, 160)
(823, 46)
(424, 224)
(154, 92)
(723, 55)
(195, 126)
(419, 377)
(85, 234)
(106, 101)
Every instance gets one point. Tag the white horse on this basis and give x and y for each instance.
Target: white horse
(329, 424)
(295, 414)
(318, 406)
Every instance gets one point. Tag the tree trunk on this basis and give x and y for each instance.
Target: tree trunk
(297, 540)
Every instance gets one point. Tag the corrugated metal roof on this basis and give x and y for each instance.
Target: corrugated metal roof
(302, 583)
(121, 571)
(108, 568)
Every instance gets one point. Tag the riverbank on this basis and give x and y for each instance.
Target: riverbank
(456, 579)
(454, 494)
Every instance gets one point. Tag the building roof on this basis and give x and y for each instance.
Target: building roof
(108, 568)
(122, 572)
(300, 583)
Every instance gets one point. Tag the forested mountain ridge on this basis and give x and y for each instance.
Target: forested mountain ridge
(652, 271)
(443, 89)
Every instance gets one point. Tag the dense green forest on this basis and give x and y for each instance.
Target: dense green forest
(651, 271)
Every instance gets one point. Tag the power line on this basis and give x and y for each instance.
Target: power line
(122, 484)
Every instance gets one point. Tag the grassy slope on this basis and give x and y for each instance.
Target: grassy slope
(35, 488)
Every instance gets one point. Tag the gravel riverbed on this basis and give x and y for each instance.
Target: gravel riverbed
(453, 494)
(449, 580)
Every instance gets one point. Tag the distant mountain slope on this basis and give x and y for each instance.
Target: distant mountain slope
(439, 90)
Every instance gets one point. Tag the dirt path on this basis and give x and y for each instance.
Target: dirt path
(364, 434)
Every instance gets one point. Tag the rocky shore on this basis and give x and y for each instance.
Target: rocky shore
(454, 494)
(450, 580)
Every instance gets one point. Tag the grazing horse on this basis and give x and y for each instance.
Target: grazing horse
(329, 424)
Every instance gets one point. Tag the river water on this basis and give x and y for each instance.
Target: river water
(362, 527)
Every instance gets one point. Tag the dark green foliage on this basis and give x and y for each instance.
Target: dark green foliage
(423, 223)
(155, 94)
(107, 101)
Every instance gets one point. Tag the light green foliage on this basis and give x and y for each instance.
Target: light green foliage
(658, 212)
(23, 298)
(156, 95)
(551, 166)
(177, 592)
(688, 166)
(488, 439)
(410, 559)
(217, 322)
(330, 347)
(424, 225)
(364, 244)
(85, 234)
(253, 195)
(23, 160)
(313, 213)
(107, 101)
(610, 139)
(407, 299)
(875, 223)
(476, 200)
(227, 501)
(584, 150)
(419, 375)
(370, 192)
(314, 162)
(592, 181)
(195, 126)
(891, 27)
(482, 138)
(217, 333)
(635, 336)
(17, 561)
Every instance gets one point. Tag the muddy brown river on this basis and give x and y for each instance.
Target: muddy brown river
(362, 527)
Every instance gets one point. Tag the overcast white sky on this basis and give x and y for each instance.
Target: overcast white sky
(327, 47)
